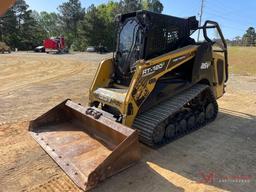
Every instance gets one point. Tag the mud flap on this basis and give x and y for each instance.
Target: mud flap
(88, 146)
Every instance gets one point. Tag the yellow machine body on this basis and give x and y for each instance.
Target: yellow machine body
(120, 97)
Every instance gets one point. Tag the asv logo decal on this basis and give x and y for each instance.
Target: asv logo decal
(205, 65)
(152, 70)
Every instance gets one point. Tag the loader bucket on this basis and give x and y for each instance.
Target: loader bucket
(88, 146)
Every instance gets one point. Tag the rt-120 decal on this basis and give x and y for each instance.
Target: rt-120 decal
(153, 69)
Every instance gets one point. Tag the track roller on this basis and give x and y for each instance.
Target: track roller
(177, 116)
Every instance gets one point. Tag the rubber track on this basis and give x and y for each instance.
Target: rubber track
(146, 122)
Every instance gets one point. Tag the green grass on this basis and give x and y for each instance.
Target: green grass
(242, 60)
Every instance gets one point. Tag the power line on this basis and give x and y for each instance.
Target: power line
(219, 7)
(229, 10)
(232, 20)
(234, 28)
(215, 10)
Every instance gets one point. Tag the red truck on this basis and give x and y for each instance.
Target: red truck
(55, 45)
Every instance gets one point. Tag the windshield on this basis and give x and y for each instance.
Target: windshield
(129, 46)
(127, 36)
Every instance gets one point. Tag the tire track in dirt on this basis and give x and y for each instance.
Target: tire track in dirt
(27, 165)
(36, 73)
(46, 91)
(56, 184)
(24, 166)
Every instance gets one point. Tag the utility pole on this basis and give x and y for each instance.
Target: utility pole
(200, 17)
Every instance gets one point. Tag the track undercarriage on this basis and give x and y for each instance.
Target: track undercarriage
(177, 116)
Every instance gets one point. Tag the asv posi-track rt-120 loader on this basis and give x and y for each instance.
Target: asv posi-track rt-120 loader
(159, 85)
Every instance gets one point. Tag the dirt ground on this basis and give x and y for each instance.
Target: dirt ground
(218, 157)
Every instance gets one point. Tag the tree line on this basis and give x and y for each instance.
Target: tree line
(25, 29)
(248, 39)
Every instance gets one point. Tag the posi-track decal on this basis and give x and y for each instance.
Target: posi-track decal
(179, 59)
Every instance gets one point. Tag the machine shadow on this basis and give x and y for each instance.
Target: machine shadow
(207, 159)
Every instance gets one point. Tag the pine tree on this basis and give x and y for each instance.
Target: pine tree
(50, 22)
(19, 28)
(71, 13)
(155, 6)
(127, 6)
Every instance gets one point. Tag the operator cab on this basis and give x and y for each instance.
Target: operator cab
(143, 35)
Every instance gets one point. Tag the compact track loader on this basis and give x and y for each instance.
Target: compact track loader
(159, 85)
